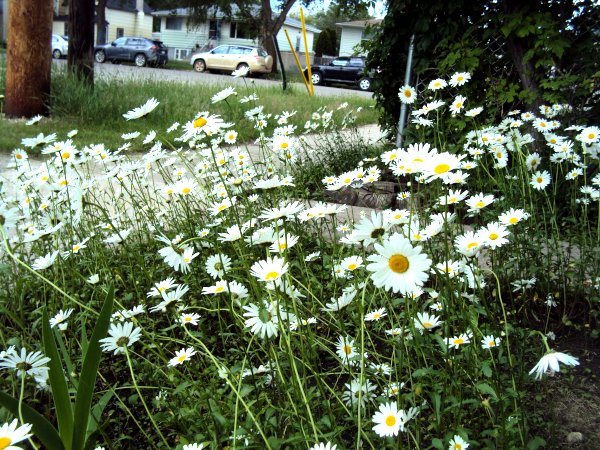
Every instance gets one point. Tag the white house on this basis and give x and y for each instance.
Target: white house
(353, 33)
(171, 27)
(123, 18)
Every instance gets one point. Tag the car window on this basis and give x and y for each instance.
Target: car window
(357, 62)
(339, 62)
(159, 44)
(54, 40)
(120, 41)
(262, 53)
(136, 42)
(220, 50)
(235, 51)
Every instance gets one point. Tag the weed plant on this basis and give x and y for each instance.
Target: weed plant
(243, 319)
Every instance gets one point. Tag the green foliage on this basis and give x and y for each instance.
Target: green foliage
(72, 423)
(326, 43)
(519, 57)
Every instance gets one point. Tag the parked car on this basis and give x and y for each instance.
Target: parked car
(232, 57)
(346, 70)
(60, 46)
(138, 50)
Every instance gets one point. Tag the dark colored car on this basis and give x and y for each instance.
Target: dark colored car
(347, 70)
(138, 50)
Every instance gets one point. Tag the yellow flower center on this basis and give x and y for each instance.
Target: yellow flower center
(182, 358)
(219, 289)
(499, 155)
(542, 124)
(492, 343)
(352, 267)
(458, 105)
(4, 442)
(390, 421)
(272, 275)
(427, 325)
(221, 208)
(282, 246)
(376, 316)
(417, 237)
(398, 263)
(76, 248)
(199, 123)
(347, 180)
(394, 156)
(457, 447)
(460, 79)
(437, 85)
(459, 341)
(472, 244)
(441, 168)
(186, 190)
(452, 200)
(493, 236)
(513, 220)
(284, 145)
(591, 136)
(480, 205)
(347, 349)
(534, 162)
(407, 93)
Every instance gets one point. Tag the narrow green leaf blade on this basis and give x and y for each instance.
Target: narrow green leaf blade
(40, 427)
(87, 380)
(60, 391)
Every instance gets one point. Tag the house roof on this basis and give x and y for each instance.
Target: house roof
(127, 5)
(185, 12)
(360, 23)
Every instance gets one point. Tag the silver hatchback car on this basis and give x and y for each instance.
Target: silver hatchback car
(60, 46)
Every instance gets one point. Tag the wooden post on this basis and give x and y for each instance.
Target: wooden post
(28, 57)
(81, 39)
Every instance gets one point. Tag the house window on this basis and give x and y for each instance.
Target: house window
(181, 53)
(66, 33)
(120, 32)
(238, 30)
(366, 36)
(297, 43)
(156, 24)
(174, 23)
(214, 29)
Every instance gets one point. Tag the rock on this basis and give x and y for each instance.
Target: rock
(362, 197)
(345, 196)
(574, 436)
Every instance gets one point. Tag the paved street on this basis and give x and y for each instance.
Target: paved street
(120, 71)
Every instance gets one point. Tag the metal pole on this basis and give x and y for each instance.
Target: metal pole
(280, 61)
(404, 106)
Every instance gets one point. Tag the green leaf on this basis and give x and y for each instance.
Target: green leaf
(60, 392)
(487, 389)
(486, 369)
(535, 443)
(40, 427)
(181, 387)
(437, 443)
(89, 370)
(84, 339)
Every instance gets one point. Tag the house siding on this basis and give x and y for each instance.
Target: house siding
(199, 35)
(350, 37)
(133, 24)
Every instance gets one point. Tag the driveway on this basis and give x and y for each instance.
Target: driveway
(120, 71)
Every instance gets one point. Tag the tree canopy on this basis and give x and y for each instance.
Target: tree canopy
(521, 54)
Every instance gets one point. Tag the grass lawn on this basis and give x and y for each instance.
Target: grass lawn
(98, 113)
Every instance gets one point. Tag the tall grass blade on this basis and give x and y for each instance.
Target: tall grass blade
(85, 391)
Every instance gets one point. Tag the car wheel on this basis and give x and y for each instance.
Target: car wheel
(364, 84)
(99, 56)
(243, 66)
(140, 60)
(316, 78)
(200, 66)
(56, 54)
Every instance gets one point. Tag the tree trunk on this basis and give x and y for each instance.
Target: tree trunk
(29, 57)
(101, 37)
(81, 39)
(518, 47)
